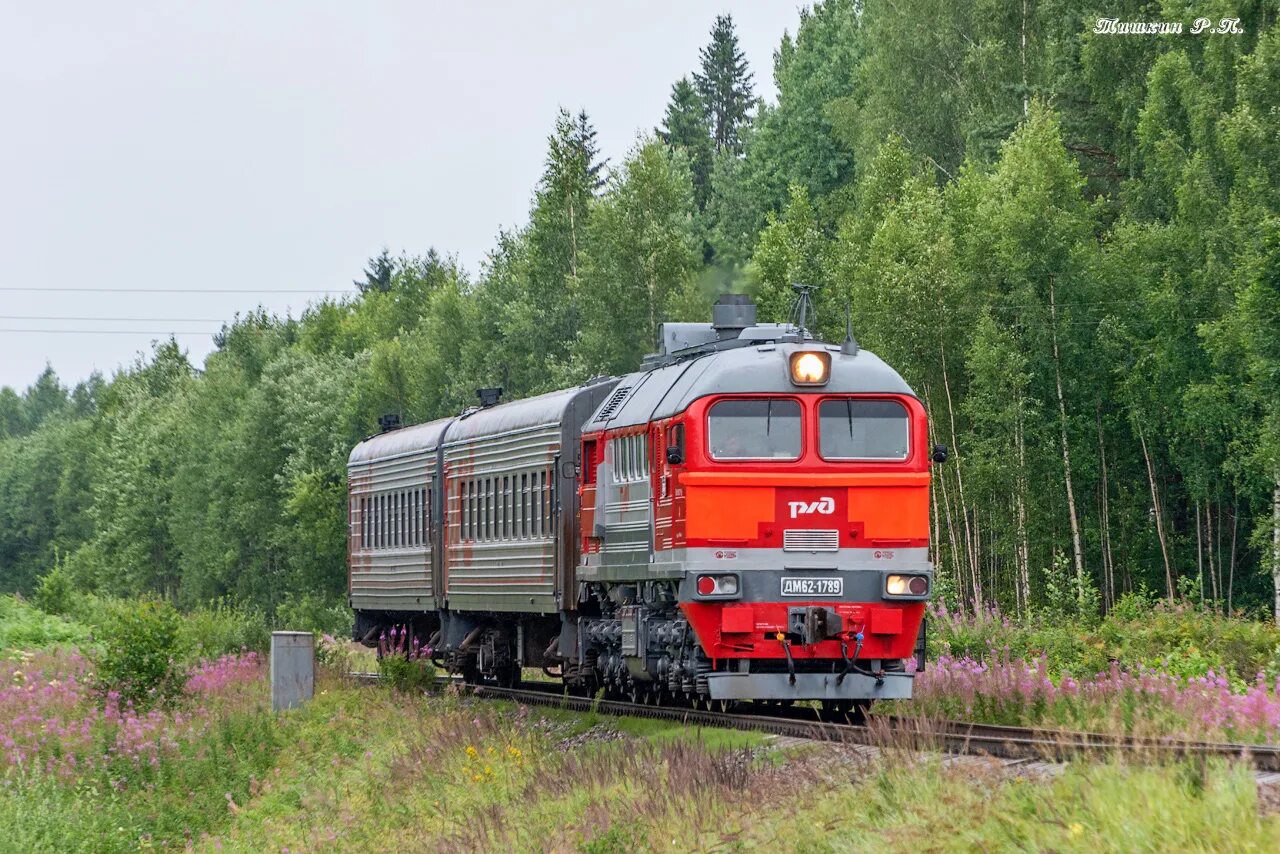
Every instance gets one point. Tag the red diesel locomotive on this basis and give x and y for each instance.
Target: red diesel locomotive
(744, 518)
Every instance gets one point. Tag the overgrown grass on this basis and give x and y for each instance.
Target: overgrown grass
(370, 768)
(450, 774)
(367, 768)
(25, 627)
(1182, 640)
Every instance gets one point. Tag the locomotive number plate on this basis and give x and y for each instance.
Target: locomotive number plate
(812, 586)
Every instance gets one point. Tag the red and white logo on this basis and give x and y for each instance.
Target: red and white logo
(824, 506)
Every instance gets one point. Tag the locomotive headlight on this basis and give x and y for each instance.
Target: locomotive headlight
(906, 585)
(810, 368)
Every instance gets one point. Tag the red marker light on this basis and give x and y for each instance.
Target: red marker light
(706, 585)
(919, 585)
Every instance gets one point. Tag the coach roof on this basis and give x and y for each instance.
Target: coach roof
(405, 440)
(763, 369)
(523, 414)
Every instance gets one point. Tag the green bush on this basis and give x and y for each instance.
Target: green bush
(25, 627)
(317, 614)
(141, 653)
(223, 628)
(55, 591)
(410, 675)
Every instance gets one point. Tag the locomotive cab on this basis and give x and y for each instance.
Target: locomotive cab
(755, 521)
(806, 519)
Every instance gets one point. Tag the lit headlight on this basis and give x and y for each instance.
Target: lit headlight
(810, 368)
(906, 585)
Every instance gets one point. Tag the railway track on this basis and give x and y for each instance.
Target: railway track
(1010, 743)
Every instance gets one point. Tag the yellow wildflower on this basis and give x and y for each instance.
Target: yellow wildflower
(1076, 829)
(471, 751)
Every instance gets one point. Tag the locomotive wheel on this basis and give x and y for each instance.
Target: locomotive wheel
(850, 711)
(508, 677)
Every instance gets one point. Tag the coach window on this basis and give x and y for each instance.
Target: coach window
(509, 499)
(754, 430)
(863, 430)
(547, 505)
(506, 507)
(492, 533)
(468, 510)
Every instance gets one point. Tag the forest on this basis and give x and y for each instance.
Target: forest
(1067, 241)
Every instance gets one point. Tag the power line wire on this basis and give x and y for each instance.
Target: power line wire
(183, 290)
(111, 331)
(114, 319)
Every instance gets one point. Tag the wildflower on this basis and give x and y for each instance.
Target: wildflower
(471, 751)
(1076, 829)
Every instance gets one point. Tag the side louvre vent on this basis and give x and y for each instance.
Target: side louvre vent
(614, 403)
(804, 540)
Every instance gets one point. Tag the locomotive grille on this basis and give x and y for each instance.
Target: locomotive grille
(801, 540)
(614, 402)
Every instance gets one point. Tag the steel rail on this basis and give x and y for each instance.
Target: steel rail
(949, 736)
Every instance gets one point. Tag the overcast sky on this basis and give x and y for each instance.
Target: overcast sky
(276, 146)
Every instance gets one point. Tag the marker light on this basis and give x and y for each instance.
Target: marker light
(810, 368)
(717, 585)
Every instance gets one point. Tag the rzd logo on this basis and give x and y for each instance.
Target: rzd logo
(824, 506)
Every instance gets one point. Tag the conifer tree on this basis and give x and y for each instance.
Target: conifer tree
(377, 275)
(685, 128)
(725, 85)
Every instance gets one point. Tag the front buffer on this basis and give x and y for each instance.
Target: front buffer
(807, 648)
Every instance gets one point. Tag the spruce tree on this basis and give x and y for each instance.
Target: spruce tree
(377, 276)
(685, 128)
(725, 84)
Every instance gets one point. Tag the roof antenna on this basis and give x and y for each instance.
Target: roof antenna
(849, 347)
(804, 304)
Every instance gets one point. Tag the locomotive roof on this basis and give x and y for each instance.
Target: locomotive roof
(405, 440)
(664, 391)
(546, 408)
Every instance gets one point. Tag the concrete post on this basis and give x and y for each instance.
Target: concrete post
(293, 669)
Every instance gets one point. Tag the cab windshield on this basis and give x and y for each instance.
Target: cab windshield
(766, 429)
(863, 430)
